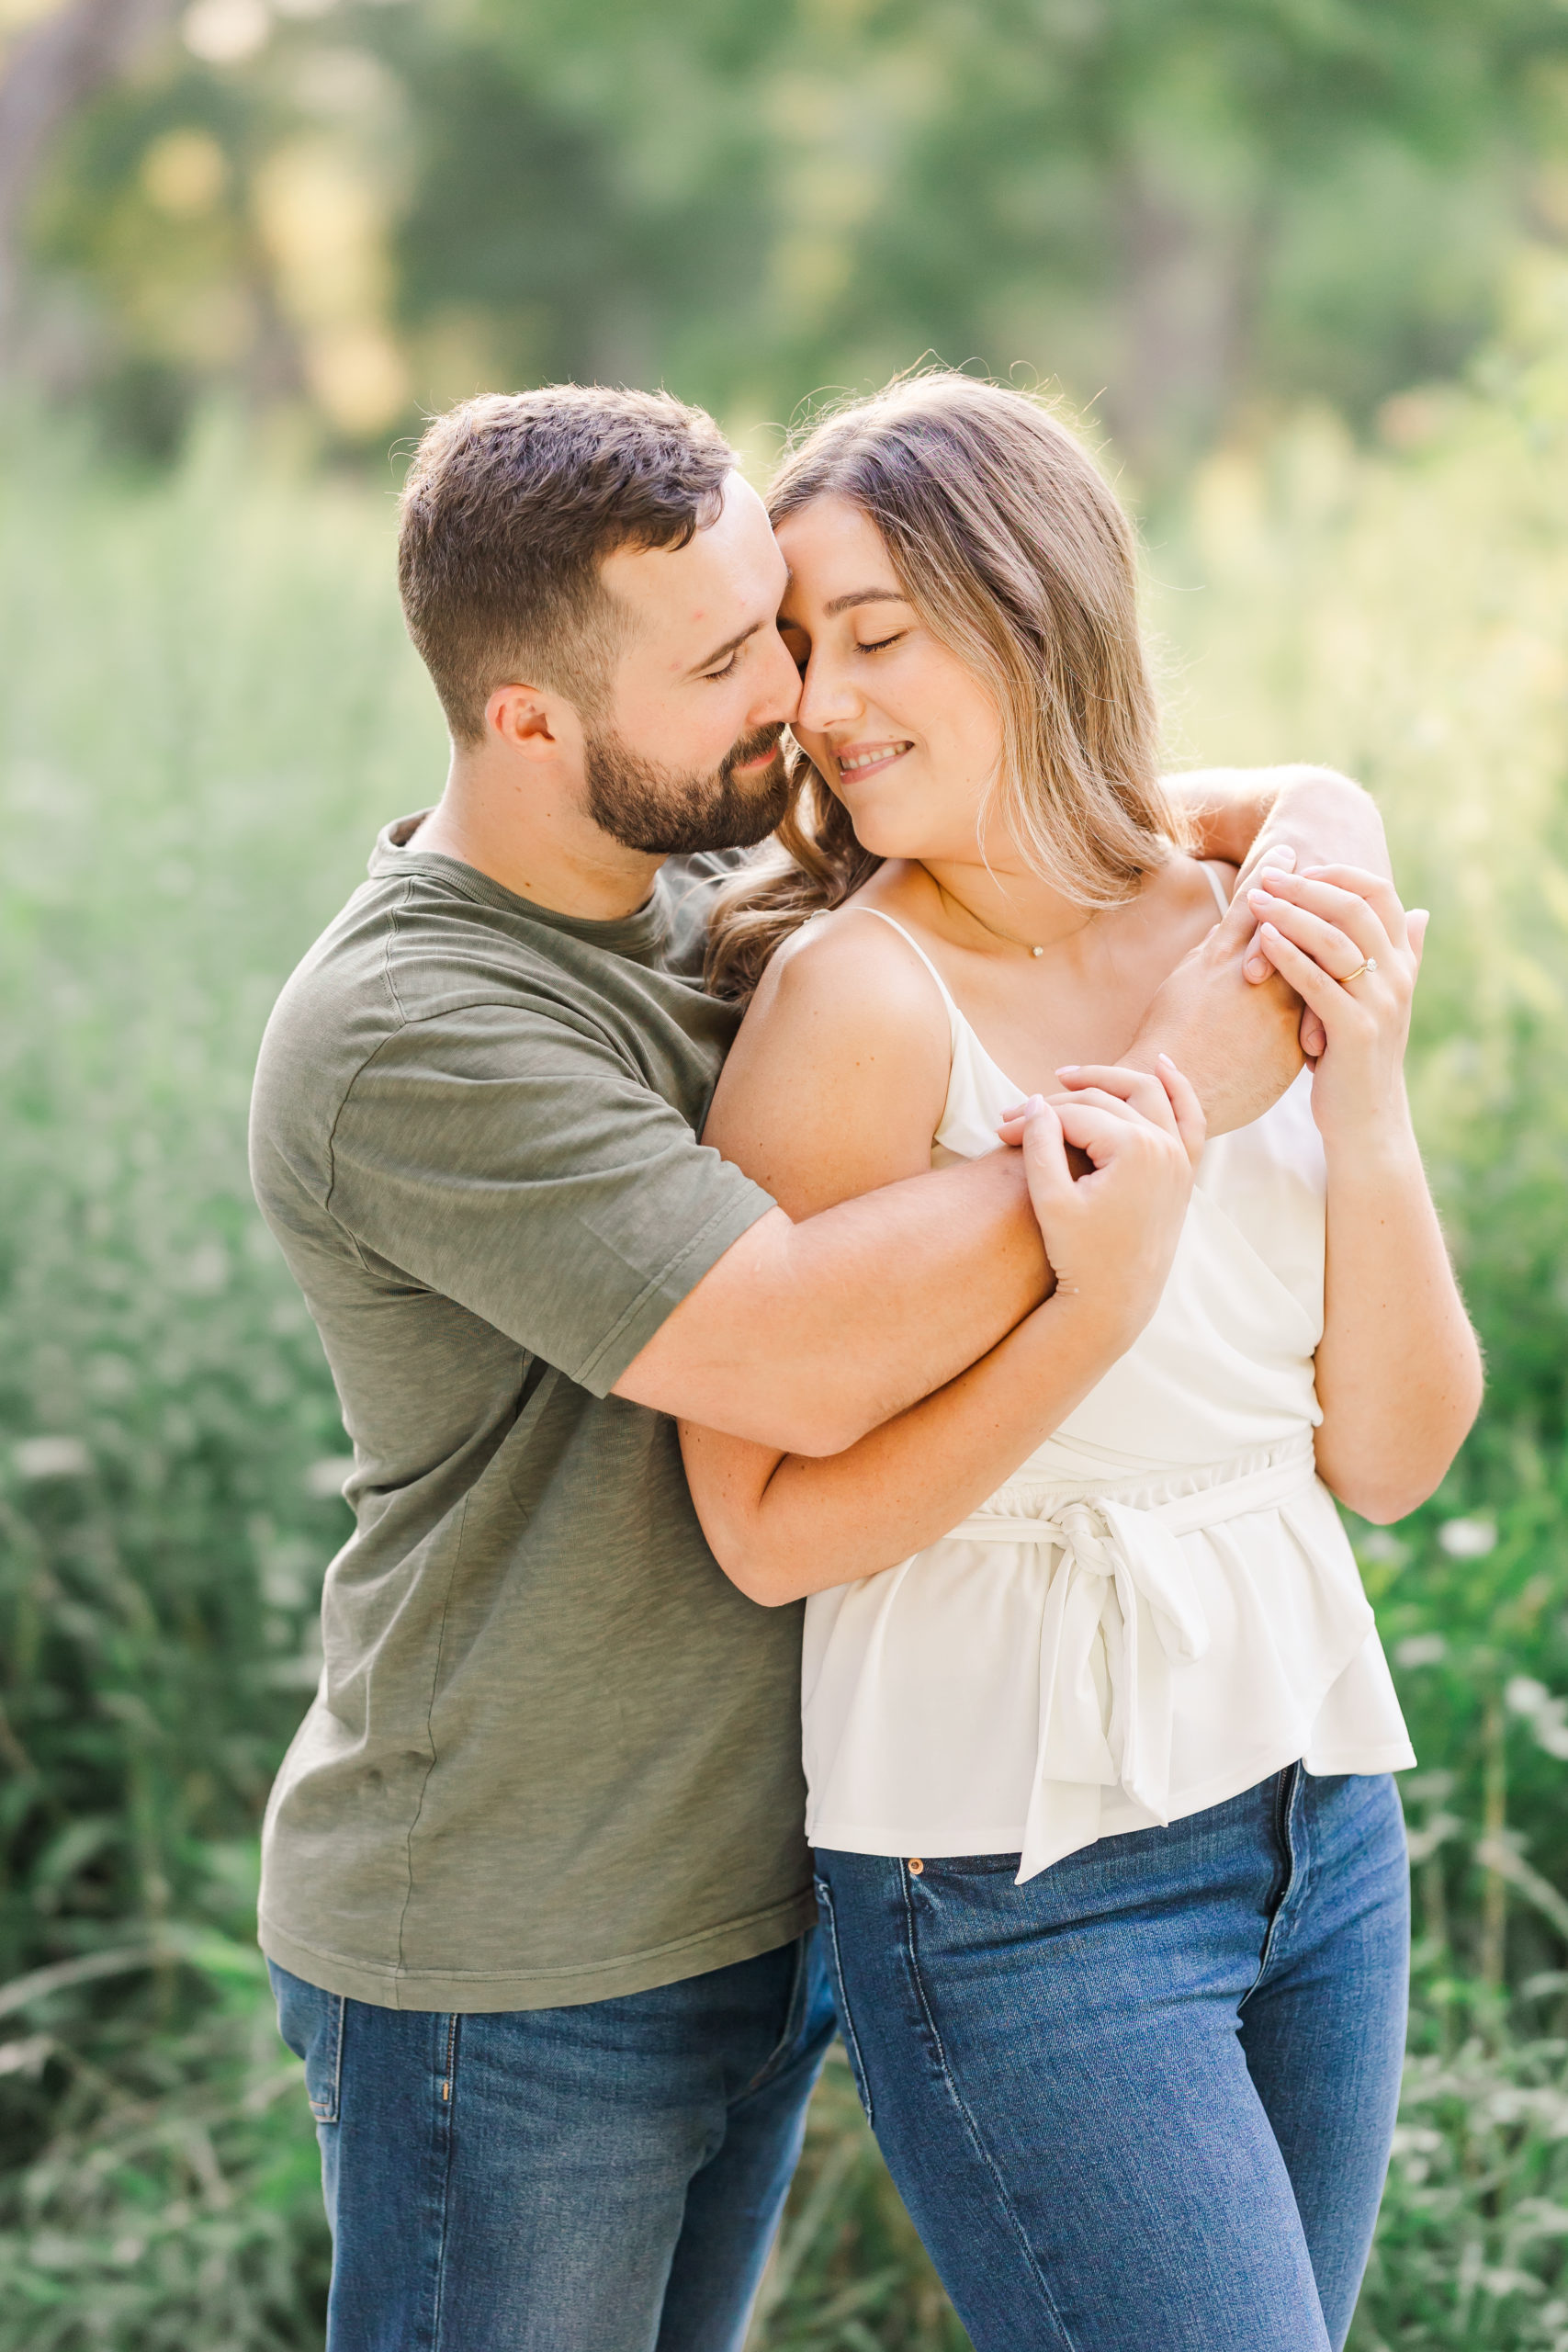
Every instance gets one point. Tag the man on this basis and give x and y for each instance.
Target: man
(535, 1891)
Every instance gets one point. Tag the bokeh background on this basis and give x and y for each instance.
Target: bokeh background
(1303, 264)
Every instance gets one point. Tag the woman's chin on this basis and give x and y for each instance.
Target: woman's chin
(881, 840)
(880, 832)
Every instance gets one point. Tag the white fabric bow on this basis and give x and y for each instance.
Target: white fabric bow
(1120, 1613)
(1124, 1583)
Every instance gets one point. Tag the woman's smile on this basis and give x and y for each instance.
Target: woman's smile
(863, 759)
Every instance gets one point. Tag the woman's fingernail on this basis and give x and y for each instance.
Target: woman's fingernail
(1067, 1069)
(1167, 1060)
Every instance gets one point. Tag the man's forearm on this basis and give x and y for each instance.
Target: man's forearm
(1243, 815)
(1228, 808)
(1238, 1044)
(805, 1335)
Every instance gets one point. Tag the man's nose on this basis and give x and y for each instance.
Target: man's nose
(780, 698)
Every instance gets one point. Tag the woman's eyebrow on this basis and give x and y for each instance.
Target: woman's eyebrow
(864, 596)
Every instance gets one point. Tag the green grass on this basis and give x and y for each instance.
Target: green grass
(207, 708)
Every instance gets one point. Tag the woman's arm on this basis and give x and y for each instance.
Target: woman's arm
(837, 1080)
(1399, 1373)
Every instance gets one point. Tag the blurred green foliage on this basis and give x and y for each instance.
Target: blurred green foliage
(206, 701)
(1198, 207)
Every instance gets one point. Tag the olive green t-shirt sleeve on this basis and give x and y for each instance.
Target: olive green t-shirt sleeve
(521, 1165)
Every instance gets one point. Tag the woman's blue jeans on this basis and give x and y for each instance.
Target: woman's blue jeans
(603, 2178)
(1145, 2102)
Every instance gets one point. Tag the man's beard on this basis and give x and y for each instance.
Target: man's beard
(644, 808)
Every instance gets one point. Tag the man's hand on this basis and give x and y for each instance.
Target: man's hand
(1238, 1042)
(1248, 816)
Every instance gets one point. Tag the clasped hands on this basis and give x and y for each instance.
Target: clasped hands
(1320, 965)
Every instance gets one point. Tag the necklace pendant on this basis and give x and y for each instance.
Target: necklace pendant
(1037, 951)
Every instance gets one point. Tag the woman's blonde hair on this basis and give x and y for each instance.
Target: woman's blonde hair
(1012, 548)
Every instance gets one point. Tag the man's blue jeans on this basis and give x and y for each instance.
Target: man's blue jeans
(606, 2179)
(1143, 2103)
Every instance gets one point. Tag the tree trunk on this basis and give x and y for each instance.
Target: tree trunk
(52, 69)
(1190, 278)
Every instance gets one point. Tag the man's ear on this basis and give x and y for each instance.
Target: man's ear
(532, 722)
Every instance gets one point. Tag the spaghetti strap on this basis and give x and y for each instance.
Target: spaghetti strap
(1215, 885)
(947, 996)
(969, 1124)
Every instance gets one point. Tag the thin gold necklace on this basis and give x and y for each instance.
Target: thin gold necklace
(1011, 939)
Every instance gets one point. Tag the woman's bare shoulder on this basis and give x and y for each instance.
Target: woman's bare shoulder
(849, 967)
(837, 1080)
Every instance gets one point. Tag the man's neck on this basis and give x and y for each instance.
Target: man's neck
(529, 835)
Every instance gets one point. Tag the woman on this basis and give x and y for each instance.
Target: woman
(1097, 1729)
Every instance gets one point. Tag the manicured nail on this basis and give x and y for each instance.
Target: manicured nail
(1167, 1060)
(1068, 1069)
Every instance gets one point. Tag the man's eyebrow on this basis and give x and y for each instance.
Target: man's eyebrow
(864, 596)
(720, 650)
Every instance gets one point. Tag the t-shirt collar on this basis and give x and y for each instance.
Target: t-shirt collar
(643, 935)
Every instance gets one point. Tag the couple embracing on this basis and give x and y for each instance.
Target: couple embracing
(829, 1250)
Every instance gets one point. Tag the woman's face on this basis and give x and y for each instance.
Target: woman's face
(903, 733)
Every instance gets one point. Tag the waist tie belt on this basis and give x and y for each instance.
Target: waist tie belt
(1123, 1576)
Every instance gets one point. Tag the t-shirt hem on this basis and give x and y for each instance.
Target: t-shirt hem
(674, 1281)
(475, 1992)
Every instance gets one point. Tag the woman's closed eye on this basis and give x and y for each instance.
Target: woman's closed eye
(880, 644)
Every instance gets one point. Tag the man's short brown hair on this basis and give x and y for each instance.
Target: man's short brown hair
(510, 506)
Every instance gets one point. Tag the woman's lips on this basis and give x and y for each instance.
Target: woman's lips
(857, 760)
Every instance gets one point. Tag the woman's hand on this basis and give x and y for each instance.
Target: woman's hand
(1111, 1233)
(1339, 936)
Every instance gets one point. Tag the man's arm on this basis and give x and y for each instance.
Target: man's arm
(1245, 816)
(1242, 813)
(806, 1336)
(871, 1283)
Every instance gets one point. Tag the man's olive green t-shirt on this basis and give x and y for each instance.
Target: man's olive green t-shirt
(555, 1755)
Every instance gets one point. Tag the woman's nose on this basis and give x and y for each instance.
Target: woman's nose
(827, 695)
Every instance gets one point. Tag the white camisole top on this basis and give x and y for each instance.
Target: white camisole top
(1160, 1606)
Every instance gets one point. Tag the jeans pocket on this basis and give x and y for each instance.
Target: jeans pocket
(310, 2022)
(846, 2023)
